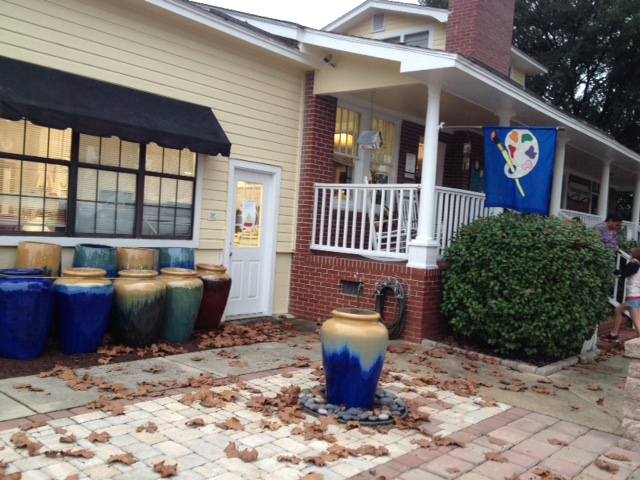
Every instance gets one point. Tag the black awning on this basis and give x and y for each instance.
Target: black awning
(57, 99)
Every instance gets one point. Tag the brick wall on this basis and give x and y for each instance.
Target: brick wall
(482, 29)
(316, 277)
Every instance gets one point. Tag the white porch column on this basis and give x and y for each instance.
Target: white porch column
(423, 250)
(558, 173)
(635, 212)
(603, 199)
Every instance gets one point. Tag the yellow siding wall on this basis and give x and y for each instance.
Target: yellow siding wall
(256, 95)
(518, 75)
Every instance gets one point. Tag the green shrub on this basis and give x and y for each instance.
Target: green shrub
(527, 286)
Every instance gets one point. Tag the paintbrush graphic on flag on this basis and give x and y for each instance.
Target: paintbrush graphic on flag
(505, 154)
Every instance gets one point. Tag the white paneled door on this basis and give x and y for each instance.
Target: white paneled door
(252, 224)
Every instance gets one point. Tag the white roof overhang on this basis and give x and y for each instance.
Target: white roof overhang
(237, 30)
(475, 84)
(351, 18)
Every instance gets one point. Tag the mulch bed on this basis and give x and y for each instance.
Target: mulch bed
(229, 335)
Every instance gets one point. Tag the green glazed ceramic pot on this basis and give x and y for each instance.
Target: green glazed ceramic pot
(182, 302)
(138, 307)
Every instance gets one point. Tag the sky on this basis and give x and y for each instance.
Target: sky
(310, 13)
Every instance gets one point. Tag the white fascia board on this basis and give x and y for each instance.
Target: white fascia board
(203, 17)
(521, 59)
(441, 15)
(374, 48)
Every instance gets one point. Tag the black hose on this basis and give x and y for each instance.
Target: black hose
(396, 326)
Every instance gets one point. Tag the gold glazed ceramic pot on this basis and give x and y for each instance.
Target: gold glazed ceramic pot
(83, 299)
(354, 343)
(134, 258)
(138, 307)
(182, 302)
(217, 285)
(44, 256)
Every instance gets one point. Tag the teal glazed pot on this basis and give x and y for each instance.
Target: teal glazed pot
(138, 307)
(26, 312)
(88, 255)
(176, 257)
(354, 343)
(217, 285)
(83, 299)
(182, 303)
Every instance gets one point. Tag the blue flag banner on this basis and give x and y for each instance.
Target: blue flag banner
(519, 167)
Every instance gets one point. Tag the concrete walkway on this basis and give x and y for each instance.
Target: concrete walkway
(199, 412)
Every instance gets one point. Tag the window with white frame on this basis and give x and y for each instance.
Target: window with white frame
(416, 39)
(345, 144)
(382, 160)
(62, 183)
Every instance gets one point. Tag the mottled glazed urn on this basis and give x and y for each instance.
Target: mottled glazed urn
(182, 302)
(354, 343)
(39, 255)
(138, 307)
(217, 285)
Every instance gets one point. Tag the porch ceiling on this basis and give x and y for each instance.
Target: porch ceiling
(472, 96)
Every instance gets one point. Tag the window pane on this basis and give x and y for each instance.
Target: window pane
(382, 159)
(12, 136)
(187, 163)
(168, 208)
(130, 155)
(110, 152)
(420, 39)
(154, 158)
(60, 144)
(345, 139)
(106, 202)
(89, 150)
(47, 143)
(171, 164)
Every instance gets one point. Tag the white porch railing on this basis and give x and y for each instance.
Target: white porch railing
(370, 220)
(455, 208)
(629, 230)
(379, 221)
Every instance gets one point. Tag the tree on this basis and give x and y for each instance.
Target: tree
(589, 48)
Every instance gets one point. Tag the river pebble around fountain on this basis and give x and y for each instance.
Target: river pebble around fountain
(385, 406)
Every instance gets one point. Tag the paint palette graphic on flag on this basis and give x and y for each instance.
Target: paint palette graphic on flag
(511, 157)
(522, 147)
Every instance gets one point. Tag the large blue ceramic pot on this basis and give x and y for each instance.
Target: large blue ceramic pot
(26, 312)
(83, 299)
(354, 343)
(89, 255)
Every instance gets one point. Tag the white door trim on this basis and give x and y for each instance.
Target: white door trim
(268, 231)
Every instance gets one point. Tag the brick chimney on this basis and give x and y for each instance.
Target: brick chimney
(482, 29)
